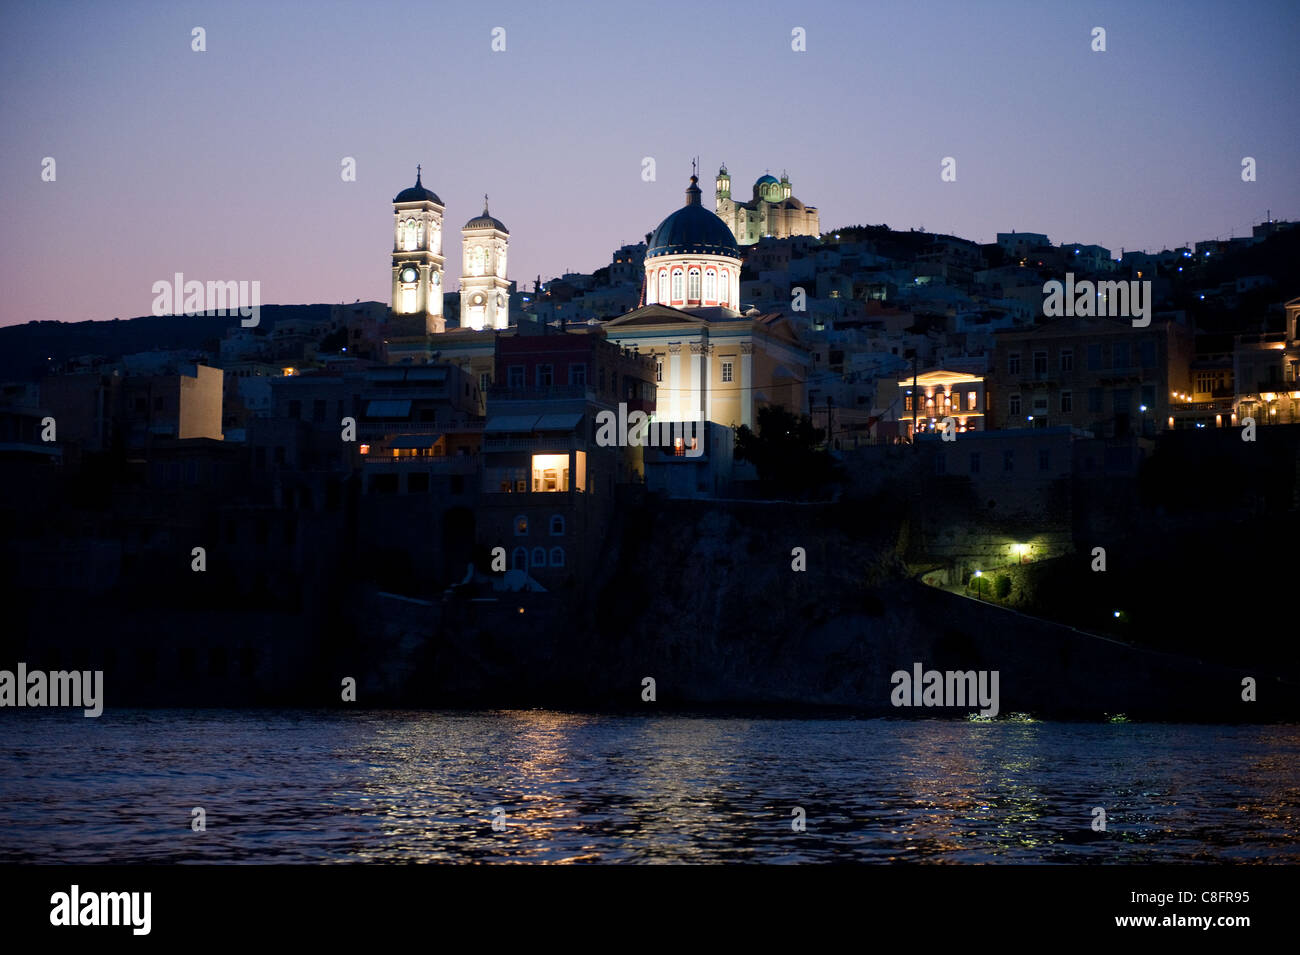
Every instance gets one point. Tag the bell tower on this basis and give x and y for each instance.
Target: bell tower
(417, 255)
(484, 289)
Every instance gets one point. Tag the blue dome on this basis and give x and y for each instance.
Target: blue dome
(417, 193)
(693, 229)
(768, 180)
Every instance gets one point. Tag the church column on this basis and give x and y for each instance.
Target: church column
(746, 384)
(675, 380)
(699, 383)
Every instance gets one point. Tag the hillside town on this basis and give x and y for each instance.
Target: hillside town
(495, 439)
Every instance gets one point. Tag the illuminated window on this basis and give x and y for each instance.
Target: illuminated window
(724, 292)
(907, 403)
(521, 526)
(659, 369)
(365, 449)
(411, 236)
(693, 285)
(710, 285)
(663, 285)
(550, 473)
(971, 401)
(677, 285)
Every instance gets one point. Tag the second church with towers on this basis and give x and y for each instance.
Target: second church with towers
(418, 263)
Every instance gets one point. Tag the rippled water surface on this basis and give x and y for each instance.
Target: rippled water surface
(423, 786)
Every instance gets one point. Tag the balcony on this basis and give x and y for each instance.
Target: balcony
(370, 428)
(543, 443)
(546, 393)
(441, 464)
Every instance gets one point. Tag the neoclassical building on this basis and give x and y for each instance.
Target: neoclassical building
(711, 362)
(772, 211)
(417, 263)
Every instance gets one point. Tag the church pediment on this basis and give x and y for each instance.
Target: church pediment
(654, 315)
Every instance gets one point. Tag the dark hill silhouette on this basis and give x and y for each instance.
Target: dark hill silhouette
(24, 349)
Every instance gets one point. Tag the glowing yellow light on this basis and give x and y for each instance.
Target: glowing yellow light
(365, 449)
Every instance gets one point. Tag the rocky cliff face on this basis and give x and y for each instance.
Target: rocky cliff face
(705, 601)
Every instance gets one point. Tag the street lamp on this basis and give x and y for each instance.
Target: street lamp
(979, 576)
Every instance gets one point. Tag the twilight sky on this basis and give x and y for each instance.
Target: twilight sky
(226, 164)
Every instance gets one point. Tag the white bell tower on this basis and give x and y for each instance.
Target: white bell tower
(484, 288)
(417, 255)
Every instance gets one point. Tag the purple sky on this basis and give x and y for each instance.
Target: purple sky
(226, 164)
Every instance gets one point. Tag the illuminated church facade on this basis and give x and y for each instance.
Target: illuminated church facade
(772, 211)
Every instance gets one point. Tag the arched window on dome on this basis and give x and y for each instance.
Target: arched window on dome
(411, 237)
(724, 293)
(651, 290)
(663, 286)
(710, 285)
(677, 286)
(693, 285)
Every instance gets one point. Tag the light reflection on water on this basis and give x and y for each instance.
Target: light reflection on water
(383, 786)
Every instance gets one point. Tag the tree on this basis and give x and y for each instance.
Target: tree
(786, 451)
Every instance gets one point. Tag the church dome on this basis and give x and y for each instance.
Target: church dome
(486, 221)
(767, 181)
(417, 192)
(693, 229)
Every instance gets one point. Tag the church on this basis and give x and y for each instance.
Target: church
(712, 362)
(773, 211)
